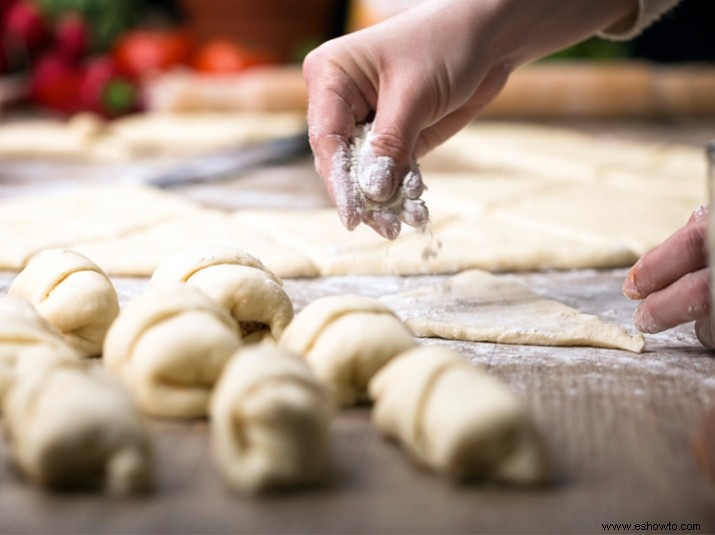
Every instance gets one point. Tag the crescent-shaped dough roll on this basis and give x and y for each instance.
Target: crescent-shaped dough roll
(270, 421)
(73, 294)
(454, 418)
(169, 347)
(346, 339)
(26, 336)
(71, 425)
(237, 281)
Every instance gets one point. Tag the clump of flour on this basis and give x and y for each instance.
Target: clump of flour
(368, 179)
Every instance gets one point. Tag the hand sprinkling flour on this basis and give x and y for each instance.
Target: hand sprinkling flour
(359, 184)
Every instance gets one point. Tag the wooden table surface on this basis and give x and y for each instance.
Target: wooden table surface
(618, 426)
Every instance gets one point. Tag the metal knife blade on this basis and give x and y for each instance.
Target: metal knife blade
(229, 163)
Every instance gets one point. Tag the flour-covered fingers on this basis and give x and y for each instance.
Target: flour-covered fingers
(386, 223)
(412, 185)
(414, 213)
(686, 299)
(683, 252)
(336, 105)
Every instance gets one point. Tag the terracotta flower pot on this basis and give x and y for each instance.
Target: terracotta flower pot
(284, 28)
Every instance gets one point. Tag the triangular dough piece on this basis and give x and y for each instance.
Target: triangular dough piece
(140, 252)
(30, 225)
(480, 307)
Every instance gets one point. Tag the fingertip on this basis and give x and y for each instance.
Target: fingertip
(386, 224)
(414, 213)
(644, 321)
(630, 287)
(378, 180)
(699, 214)
(413, 185)
(705, 331)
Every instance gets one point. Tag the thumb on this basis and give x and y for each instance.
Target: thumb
(388, 153)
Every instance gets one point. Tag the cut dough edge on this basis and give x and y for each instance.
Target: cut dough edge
(477, 306)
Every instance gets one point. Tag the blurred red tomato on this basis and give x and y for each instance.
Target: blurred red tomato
(72, 36)
(144, 51)
(25, 27)
(54, 83)
(224, 56)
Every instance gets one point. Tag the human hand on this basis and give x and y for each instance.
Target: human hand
(423, 75)
(672, 280)
(420, 82)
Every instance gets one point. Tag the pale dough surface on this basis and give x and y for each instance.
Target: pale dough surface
(454, 418)
(182, 133)
(141, 251)
(239, 282)
(29, 225)
(481, 307)
(73, 294)
(88, 137)
(70, 424)
(346, 339)
(169, 347)
(532, 197)
(270, 421)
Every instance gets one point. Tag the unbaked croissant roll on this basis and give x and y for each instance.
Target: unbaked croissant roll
(270, 421)
(73, 294)
(25, 335)
(71, 425)
(169, 347)
(346, 339)
(454, 418)
(237, 281)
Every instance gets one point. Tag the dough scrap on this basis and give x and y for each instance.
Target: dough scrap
(71, 425)
(480, 307)
(168, 347)
(270, 421)
(237, 281)
(346, 339)
(73, 294)
(454, 418)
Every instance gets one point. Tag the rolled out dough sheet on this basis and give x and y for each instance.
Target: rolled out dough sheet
(480, 307)
(563, 153)
(640, 220)
(485, 241)
(140, 252)
(29, 225)
(182, 133)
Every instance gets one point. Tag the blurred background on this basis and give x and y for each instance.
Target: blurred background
(114, 57)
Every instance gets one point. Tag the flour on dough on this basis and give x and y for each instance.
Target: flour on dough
(480, 307)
